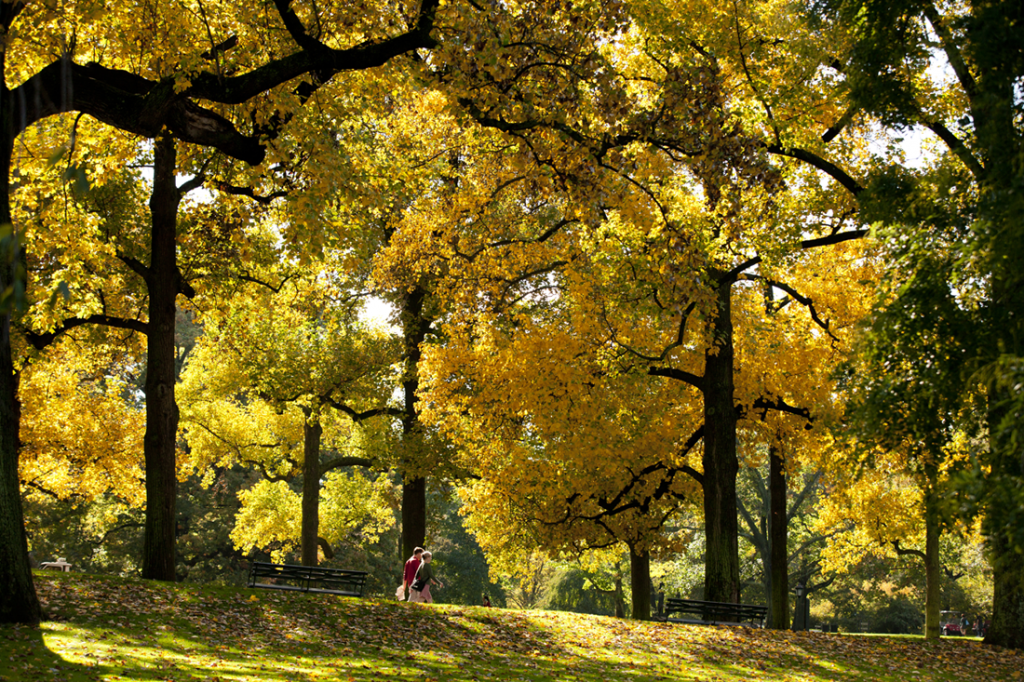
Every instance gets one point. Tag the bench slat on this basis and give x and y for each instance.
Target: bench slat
(710, 612)
(309, 578)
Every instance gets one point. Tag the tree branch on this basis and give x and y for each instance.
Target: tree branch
(254, 280)
(802, 495)
(949, 46)
(276, 478)
(679, 375)
(326, 547)
(123, 526)
(827, 167)
(144, 107)
(778, 403)
(804, 301)
(322, 60)
(839, 125)
(339, 462)
(136, 266)
(755, 537)
(251, 193)
(907, 552)
(41, 341)
(366, 414)
(835, 238)
(957, 146)
(828, 240)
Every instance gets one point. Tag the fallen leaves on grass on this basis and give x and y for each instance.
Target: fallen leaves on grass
(110, 628)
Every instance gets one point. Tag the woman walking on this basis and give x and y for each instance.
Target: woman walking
(420, 589)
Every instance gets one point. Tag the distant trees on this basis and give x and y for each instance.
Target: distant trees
(284, 379)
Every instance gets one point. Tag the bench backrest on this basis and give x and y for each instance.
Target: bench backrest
(328, 578)
(717, 611)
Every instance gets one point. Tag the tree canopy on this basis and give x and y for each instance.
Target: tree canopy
(631, 249)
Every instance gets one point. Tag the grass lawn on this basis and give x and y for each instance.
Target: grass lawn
(105, 628)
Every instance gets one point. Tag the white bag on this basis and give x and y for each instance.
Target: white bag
(400, 593)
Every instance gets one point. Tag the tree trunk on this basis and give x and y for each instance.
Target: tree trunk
(160, 441)
(414, 487)
(721, 563)
(1007, 463)
(619, 597)
(778, 540)
(640, 583)
(18, 601)
(310, 533)
(414, 515)
(1007, 628)
(1006, 457)
(932, 563)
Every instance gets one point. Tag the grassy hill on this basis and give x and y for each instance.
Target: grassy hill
(105, 628)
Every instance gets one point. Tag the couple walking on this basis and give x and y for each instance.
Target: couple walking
(418, 577)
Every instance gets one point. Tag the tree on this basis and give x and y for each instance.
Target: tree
(465, 571)
(887, 73)
(907, 393)
(50, 82)
(150, 309)
(262, 389)
(608, 156)
(766, 525)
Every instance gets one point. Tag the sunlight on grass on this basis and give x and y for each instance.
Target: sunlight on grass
(112, 629)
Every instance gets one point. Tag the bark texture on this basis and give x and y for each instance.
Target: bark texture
(18, 601)
(778, 541)
(932, 563)
(312, 433)
(721, 565)
(640, 583)
(414, 486)
(160, 441)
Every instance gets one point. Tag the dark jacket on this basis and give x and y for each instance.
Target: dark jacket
(424, 573)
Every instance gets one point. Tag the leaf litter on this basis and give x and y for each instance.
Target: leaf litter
(106, 628)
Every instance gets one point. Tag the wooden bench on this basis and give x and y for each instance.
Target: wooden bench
(307, 579)
(715, 613)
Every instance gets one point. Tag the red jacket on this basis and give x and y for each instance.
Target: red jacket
(411, 566)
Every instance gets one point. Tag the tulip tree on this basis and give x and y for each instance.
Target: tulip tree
(151, 69)
(689, 209)
(954, 71)
(280, 379)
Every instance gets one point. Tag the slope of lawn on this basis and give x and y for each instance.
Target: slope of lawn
(105, 628)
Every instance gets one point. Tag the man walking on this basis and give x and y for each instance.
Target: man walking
(409, 572)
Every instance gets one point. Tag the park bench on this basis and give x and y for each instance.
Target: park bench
(714, 613)
(307, 579)
(58, 565)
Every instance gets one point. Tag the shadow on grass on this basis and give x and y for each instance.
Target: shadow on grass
(130, 629)
(27, 657)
